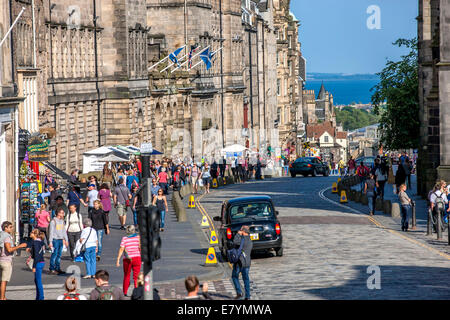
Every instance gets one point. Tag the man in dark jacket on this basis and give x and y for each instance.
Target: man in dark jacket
(243, 265)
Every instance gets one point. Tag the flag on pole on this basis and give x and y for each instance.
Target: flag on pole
(173, 56)
(206, 57)
(191, 52)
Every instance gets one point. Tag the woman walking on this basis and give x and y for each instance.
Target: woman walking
(381, 174)
(161, 203)
(134, 195)
(107, 174)
(89, 241)
(405, 203)
(100, 224)
(130, 247)
(37, 254)
(74, 227)
(132, 180)
(105, 197)
(206, 177)
(369, 190)
(193, 177)
(43, 220)
(163, 180)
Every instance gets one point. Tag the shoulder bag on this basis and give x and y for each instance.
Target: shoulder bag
(83, 247)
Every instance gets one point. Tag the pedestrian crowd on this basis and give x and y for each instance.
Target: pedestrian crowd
(60, 226)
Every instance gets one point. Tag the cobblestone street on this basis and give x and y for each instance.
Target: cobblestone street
(328, 250)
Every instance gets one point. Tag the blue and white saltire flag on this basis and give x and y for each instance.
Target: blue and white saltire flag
(206, 57)
(173, 56)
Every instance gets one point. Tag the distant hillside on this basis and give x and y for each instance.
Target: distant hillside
(352, 118)
(340, 76)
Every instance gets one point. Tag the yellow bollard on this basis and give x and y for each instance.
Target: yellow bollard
(343, 197)
(214, 183)
(213, 238)
(191, 202)
(205, 223)
(334, 188)
(211, 260)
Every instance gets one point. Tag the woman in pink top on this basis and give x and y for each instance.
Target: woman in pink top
(43, 220)
(131, 248)
(163, 180)
(104, 195)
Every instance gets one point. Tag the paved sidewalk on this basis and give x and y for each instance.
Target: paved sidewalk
(394, 224)
(183, 253)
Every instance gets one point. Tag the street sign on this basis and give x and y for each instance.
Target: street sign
(146, 148)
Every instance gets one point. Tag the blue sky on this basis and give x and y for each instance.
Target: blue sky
(335, 37)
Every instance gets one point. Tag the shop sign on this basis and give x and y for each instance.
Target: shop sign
(38, 149)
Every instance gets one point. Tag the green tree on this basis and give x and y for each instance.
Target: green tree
(351, 118)
(398, 88)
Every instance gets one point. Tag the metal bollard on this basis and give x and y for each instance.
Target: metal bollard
(429, 223)
(438, 225)
(413, 206)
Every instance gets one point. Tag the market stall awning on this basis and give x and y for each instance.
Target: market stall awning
(235, 148)
(113, 158)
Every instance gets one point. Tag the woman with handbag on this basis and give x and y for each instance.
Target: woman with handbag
(105, 196)
(160, 201)
(89, 248)
(100, 224)
(43, 220)
(130, 247)
(36, 261)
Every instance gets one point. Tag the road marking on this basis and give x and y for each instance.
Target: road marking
(380, 225)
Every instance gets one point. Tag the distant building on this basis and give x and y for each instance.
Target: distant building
(363, 139)
(320, 109)
(333, 144)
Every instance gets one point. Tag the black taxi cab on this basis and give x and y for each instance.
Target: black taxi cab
(259, 214)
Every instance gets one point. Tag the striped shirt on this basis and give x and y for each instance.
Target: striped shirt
(131, 245)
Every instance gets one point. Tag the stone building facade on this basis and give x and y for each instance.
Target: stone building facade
(82, 68)
(289, 82)
(434, 77)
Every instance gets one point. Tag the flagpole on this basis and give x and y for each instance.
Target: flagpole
(181, 59)
(12, 26)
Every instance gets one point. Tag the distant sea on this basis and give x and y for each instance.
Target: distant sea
(344, 88)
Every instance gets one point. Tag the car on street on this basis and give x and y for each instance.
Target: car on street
(256, 212)
(309, 166)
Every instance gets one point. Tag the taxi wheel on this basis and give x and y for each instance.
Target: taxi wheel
(279, 252)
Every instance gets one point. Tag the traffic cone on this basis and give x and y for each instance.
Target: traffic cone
(214, 183)
(344, 197)
(213, 238)
(334, 188)
(224, 181)
(205, 223)
(191, 202)
(211, 260)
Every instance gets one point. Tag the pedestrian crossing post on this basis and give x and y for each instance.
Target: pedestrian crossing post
(146, 202)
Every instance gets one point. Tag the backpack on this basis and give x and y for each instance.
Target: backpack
(234, 254)
(105, 293)
(440, 205)
(71, 296)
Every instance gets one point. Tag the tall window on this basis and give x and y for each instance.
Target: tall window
(278, 87)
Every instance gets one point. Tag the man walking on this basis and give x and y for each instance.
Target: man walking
(6, 254)
(244, 262)
(121, 195)
(57, 239)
